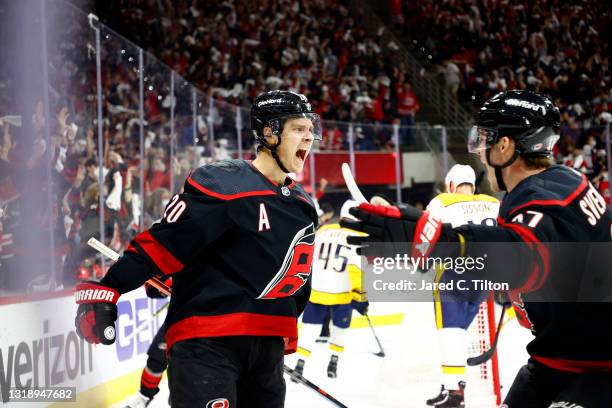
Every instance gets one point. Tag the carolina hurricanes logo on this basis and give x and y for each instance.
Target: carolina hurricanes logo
(519, 309)
(218, 403)
(295, 268)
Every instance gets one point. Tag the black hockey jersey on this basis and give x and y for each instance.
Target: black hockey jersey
(562, 220)
(239, 247)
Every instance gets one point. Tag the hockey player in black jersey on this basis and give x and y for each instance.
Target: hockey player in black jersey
(238, 243)
(571, 355)
(157, 361)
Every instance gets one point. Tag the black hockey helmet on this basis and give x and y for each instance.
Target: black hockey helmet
(272, 109)
(529, 118)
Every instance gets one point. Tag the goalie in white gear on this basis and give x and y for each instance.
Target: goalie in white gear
(458, 206)
(336, 291)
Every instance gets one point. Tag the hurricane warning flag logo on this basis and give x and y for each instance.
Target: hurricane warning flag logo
(218, 403)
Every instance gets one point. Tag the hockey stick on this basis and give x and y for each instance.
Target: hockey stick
(381, 353)
(145, 323)
(299, 378)
(350, 182)
(113, 256)
(486, 356)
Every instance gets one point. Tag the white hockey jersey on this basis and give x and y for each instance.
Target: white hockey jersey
(460, 209)
(336, 275)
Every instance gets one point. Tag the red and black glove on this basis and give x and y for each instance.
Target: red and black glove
(397, 224)
(97, 312)
(153, 292)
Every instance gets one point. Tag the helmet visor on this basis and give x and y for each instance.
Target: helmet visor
(311, 125)
(480, 138)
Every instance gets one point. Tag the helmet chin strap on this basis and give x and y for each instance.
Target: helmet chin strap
(274, 153)
(498, 168)
(278, 160)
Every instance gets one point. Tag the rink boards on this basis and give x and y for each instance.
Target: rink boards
(39, 347)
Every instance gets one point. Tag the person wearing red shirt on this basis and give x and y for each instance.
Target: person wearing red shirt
(407, 106)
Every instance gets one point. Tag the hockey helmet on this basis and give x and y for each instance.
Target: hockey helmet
(272, 109)
(528, 117)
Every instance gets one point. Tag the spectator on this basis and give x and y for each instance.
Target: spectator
(452, 76)
(407, 106)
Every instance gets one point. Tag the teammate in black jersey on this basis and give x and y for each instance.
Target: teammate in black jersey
(157, 361)
(571, 355)
(238, 243)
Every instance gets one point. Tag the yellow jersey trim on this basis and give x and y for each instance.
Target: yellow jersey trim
(454, 198)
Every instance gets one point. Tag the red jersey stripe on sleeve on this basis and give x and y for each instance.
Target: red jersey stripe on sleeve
(161, 257)
(538, 276)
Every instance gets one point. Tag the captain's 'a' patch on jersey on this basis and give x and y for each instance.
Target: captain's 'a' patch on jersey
(296, 266)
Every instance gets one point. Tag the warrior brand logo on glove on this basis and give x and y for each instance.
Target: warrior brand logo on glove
(97, 312)
(87, 294)
(427, 232)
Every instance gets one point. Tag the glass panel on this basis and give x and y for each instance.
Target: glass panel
(184, 129)
(204, 142)
(226, 137)
(157, 131)
(248, 139)
(124, 179)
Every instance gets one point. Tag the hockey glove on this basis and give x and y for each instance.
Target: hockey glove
(97, 312)
(361, 307)
(397, 224)
(154, 293)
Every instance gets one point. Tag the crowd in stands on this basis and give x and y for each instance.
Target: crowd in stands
(231, 51)
(560, 48)
(236, 49)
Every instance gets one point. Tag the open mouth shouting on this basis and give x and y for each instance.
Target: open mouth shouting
(301, 155)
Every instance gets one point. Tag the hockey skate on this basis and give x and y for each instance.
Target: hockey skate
(449, 398)
(139, 401)
(299, 369)
(332, 367)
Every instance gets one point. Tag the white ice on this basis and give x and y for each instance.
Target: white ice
(406, 377)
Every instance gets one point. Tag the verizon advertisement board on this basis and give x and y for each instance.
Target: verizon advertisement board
(39, 348)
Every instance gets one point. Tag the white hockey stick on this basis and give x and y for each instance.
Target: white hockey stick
(145, 323)
(349, 180)
(113, 256)
(103, 249)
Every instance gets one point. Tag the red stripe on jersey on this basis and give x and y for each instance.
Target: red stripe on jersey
(291, 185)
(562, 203)
(163, 259)
(233, 324)
(228, 197)
(575, 366)
(150, 380)
(304, 199)
(536, 278)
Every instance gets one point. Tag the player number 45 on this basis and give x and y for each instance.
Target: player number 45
(535, 219)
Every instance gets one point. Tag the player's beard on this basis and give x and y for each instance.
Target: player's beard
(492, 179)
